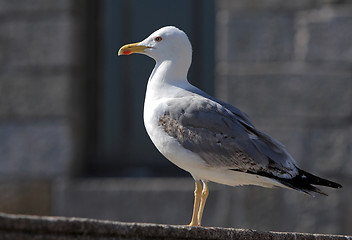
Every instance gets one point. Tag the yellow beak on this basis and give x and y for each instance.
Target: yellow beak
(131, 48)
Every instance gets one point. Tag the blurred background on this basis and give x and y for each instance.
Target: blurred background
(72, 140)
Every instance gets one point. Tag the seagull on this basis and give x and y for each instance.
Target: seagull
(211, 139)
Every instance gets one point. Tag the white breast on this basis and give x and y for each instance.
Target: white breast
(154, 107)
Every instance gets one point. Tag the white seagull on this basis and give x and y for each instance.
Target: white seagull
(210, 139)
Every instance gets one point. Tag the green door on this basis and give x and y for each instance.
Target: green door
(124, 148)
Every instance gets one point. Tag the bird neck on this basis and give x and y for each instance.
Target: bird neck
(169, 71)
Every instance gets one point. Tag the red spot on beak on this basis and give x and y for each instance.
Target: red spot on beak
(126, 52)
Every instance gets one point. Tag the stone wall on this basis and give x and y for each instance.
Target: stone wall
(54, 228)
(287, 64)
(36, 72)
(39, 65)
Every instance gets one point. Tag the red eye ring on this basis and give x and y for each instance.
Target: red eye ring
(158, 39)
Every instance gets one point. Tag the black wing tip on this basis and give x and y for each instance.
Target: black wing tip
(304, 182)
(315, 180)
(306, 188)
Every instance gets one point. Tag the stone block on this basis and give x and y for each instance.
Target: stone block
(329, 149)
(148, 200)
(319, 214)
(305, 96)
(259, 37)
(330, 39)
(8, 6)
(268, 5)
(38, 42)
(34, 94)
(35, 149)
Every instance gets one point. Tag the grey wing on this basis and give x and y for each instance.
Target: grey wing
(240, 115)
(223, 139)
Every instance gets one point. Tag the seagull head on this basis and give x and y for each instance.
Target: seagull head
(167, 43)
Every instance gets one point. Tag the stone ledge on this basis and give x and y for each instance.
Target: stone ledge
(34, 227)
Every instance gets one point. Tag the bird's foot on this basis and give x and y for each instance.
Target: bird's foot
(194, 224)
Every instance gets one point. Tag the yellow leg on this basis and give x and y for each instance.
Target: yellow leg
(197, 196)
(203, 199)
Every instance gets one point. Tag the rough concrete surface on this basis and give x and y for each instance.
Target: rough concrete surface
(32, 227)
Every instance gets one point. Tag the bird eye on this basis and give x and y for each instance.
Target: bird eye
(158, 39)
